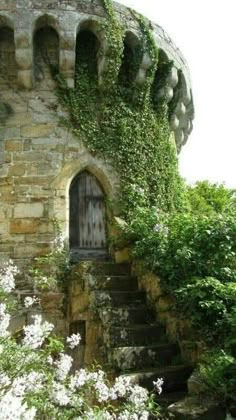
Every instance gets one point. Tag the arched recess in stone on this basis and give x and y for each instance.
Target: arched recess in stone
(46, 49)
(132, 58)
(165, 79)
(88, 44)
(8, 67)
(61, 186)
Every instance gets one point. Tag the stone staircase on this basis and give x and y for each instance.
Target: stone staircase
(136, 344)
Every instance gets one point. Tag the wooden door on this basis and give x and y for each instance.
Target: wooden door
(87, 215)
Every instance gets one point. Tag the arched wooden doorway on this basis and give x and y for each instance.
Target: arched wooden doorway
(87, 218)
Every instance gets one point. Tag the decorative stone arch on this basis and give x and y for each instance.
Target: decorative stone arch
(8, 66)
(129, 69)
(89, 32)
(6, 21)
(46, 48)
(91, 25)
(46, 19)
(61, 186)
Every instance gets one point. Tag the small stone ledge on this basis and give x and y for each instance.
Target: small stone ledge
(197, 408)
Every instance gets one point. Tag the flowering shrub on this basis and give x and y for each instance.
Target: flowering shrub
(37, 380)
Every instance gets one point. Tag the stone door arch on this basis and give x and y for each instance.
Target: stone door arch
(87, 221)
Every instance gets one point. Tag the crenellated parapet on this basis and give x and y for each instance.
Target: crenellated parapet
(32, 32)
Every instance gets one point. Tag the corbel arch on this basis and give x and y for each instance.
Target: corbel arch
(8, 67)
(132, 58)
(89, 41)
(46, 48)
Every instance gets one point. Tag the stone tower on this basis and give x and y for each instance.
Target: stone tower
(40, 158)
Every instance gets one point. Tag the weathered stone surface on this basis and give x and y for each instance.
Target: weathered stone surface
(13, 145)
(25, 210)
(52, 302)
(123, 255)
(39, 130)
(195, 384)
(24, 226)
(199, 408)
(17, 170)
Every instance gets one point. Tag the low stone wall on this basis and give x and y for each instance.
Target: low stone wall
(163, 306)
(83, 314)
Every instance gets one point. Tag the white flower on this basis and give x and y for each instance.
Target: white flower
(4, 380)
(74, 340)
(14, 408)
(138, 396)
(122, 386)
(103, 392)
(50, 360)
(59, 242)
(63, 365)
(60, 394)
(144, 415)
(158, 227)
(30, 301)
(158, 385)
(33, 381)
(7, 276)
(4, 321)
(126, 415)
(36, 333)
(78, 379)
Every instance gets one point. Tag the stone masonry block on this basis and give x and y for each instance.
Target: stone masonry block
(17, 170)
(24, 58)
(25, 80)
(13, 146)
(28, 210)
(24, 226)
(39, 130)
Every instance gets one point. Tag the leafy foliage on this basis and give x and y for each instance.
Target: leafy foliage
(185, 245)
(208, 198)
(218, 372)
(207, 299)
(121, 123)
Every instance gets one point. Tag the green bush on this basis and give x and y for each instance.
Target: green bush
(207, 198)
(210, 305)
(180, 246)
(218, 373)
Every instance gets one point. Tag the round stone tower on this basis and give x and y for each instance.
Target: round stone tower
(42, 163)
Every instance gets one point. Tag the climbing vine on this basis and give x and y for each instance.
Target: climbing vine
(123, 125)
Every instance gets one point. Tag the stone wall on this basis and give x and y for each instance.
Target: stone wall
(38, 156)
(163, 306)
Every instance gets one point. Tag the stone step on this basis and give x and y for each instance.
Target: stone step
(126, 358)
(130, 298)
(126, 315)
(198, 407)
(112, 269)
(168, 398)
(175, 377)
(135, 335)
(116, 283)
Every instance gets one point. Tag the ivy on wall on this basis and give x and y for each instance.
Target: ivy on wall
(121, 121)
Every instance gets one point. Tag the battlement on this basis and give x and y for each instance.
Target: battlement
(32, 31)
